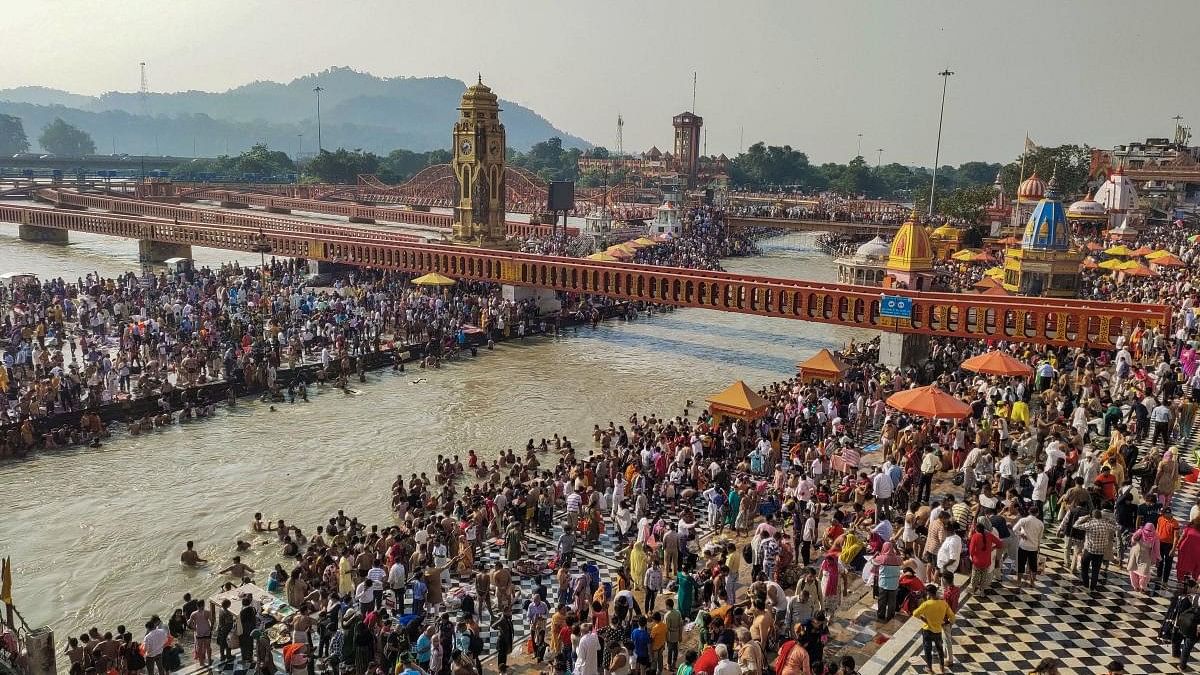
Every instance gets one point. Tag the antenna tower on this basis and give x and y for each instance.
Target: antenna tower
(144, 91)
(620, 136)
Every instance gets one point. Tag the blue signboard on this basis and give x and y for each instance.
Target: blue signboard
(895, 306)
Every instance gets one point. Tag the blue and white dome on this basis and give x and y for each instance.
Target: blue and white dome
(1047, 229)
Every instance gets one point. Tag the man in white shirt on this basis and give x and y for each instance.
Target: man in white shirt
(364, 595)
(1160, 416)
(882, 488)
(726, 666)
(153, 645)
(1029, 540)
(397, 581)
(951, 550)
(587, 655)
(1053, 453)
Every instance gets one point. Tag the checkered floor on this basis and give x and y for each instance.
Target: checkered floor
(1010, 630)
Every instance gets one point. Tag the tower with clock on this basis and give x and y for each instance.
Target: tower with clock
(478, 165)
(687, 144)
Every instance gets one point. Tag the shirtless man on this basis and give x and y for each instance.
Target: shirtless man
(238, 568)
(502, 581)
(259, 526)
(190, 557)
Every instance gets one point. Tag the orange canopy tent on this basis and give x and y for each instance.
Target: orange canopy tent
(997, 363)
(823, 366)
(988, 282)
(1168, 260)
(738, 400)
(929, 401)
(994, 290)
(1138, 271)
(1141, 251)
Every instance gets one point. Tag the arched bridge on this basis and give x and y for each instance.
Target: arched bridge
(1037, 320)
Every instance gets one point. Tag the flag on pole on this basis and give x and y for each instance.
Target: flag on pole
(1030, 146)
(6, 582)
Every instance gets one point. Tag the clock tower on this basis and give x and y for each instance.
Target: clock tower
(479, 218)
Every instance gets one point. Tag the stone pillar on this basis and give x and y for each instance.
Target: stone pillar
(547, 300)
(47, 235)
(319, 267)
(903, 349)
(150, 251)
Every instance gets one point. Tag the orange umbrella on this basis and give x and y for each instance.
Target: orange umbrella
(988, 282)
(929, 402)
(1168, 260)
(981, 257)
(997, 363)
(994, 290)
(1138, 271)
(1145, 250)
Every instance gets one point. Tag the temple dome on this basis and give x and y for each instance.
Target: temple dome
(947, 232)
(479, 95)
(1047, 229)
(876, 248)
(910, 250)
(1032, 189)
(1087, 208)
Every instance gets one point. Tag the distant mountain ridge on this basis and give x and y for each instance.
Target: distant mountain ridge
(358, 110)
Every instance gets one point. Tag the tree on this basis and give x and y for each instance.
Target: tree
(1070, 163)
(855, 179)
(598, 152)
(261, 160)
(343, 166)
(12, 136)
(967, 203)
(61, 138)
(549, 160)
(400, 165)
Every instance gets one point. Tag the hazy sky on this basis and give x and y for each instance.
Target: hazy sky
(810, 74)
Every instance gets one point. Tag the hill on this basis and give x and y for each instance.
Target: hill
(358, 110)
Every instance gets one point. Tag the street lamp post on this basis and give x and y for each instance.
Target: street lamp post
(879, 157)
(299, 146)
(859, 146)
(937, 153)
(318, 89)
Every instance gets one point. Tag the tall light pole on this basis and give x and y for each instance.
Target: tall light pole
(879, 157)
(299, 146)
(318, 89)
(859, 146)
(937, 153)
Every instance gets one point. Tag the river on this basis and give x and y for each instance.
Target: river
(95, 534)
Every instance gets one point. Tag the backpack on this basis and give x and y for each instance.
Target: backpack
(1185, 617)
(780, 661)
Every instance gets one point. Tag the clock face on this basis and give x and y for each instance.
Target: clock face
(465, 148)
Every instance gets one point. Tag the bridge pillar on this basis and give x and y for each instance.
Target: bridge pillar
(277, 209)
(903, 349)
(150, 251)
(546, 299)
(45, 235)
(226, 204)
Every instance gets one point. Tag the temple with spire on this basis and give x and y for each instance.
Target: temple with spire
(1046, 263)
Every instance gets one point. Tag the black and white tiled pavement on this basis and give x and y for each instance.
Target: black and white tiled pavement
(1010, 630)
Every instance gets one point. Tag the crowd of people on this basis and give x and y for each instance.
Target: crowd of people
(74, 347)
(742, 541)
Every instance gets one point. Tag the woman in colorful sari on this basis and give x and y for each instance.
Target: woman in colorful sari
(638, 562)
(1143, 556)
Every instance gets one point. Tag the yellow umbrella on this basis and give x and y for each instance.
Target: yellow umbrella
(645, 241)
(994, 272)
(633, 245)
(965, 255)
(1157, 254)
(433, 279)
(602, 256)
(1112, 264)
(1119, 249)
(1129, 264)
